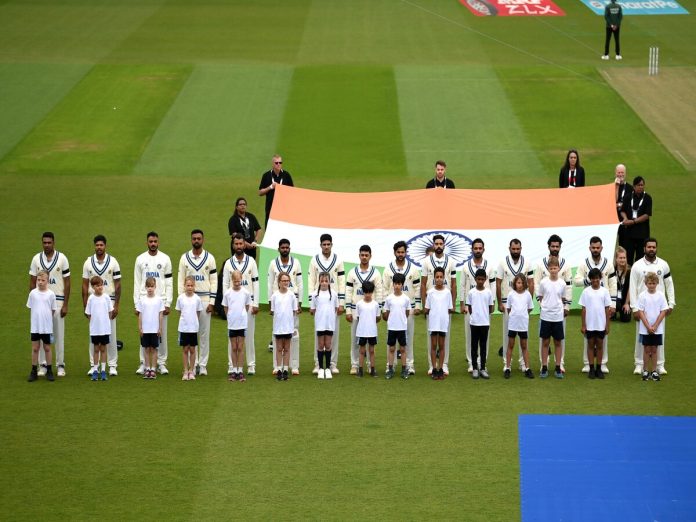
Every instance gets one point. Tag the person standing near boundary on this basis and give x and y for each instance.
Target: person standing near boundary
(650, 263)
(200, 264)
(56, 265)
(636, 212)
(156, 264)
(572, 174)
(287, 264)
(608, 281)
(331, 264)
(270, 180)
(612, 16)
(411, 287)
(440, 180)
(246, 265)
(106, 267)
(468, 283)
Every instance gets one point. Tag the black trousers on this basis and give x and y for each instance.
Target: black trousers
(479, 338)
(607, 40)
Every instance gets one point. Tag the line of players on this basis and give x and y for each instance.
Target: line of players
(200, 264)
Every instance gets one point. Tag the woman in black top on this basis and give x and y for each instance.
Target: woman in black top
(623, 276)
(572, 174)
(635, 212)
(245, 223)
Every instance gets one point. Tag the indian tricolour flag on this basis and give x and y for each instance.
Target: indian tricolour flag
(380, 219)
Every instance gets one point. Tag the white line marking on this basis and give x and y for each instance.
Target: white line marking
(682, 157)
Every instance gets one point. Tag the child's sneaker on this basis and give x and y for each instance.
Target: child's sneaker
(285, 375)
(184, 377)
(192, 376)
(599, 373)
(279, 375)
(51, 377)
(443, 373)
(103, 375)
(360, 372)
(646, 375)
(528, 373)
(506, 373)
(390, 373)
(655, 376)
(591, 373)
(558, 374)
(328, 374)
(146, 374)
(404, 373)
(373, 372)
(321, 374)
(95, 375)
(544, 373)
(33, 375)
(484, 374)
(241, 377)
(475, 373)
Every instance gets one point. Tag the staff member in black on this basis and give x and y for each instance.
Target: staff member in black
(572, 174)
(246, 224)
(440, 180)
(635, 213)
(269, 180)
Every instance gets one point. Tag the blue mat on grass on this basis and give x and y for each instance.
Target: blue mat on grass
(611, 468)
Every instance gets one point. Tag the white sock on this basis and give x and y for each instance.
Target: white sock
(103, 366)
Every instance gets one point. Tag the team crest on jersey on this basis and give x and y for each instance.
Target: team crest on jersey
(457, 246)
(159, 266)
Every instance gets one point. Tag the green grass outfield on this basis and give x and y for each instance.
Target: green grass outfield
(119, 117)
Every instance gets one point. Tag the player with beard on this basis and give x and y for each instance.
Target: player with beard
(608, 281)
(565, 274)
(438, 259)
(650, 263)
(287, 264)
(411, 288)
(508, 268)
(245, 265)
(468, 283)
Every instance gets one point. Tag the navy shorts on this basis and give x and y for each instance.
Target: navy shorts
(362, 341)
(99, 339)
(149, 340)
(321, 333)
(396, 336)
(514, 333)
(595, 334)
(651, 339)
(283, 336)
(236, 333)
(44, 338)
(188, 339)
(553, 329)
(438, 334)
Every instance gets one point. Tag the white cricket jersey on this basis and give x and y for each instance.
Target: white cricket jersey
(189, 308)
(237, 302)
(397, 306)
(651, 305)
(468, 277)
(595, 302)
(42, 305)
(519, 305)
(354, 292)
(57, 268)
(324, 305)
(98, 308)
(551, 298)
(203, 270)
(283, 307)
(506, 272)
(432, 262)
(150, 309)
(250, 276)
(411, 286)
(439, 302)
(480, 302)
(565, 274)
(293, 269)
(637, 283)
(334, 267)
(108, 269)
(608, 275)
(158, 266)
(366, 314)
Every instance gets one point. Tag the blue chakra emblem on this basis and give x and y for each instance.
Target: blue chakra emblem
(457, 246)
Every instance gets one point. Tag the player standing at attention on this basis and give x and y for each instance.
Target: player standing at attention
(551, 294)
(367, 316)
(438, 259)
(411, 288)
(468, 283)
(331, 264)
(480, 303)
(513, 264)
(157, 265)
(289, 265)
(652, 310)
(608, 281)
(324, 307)
(246, 266)
(397, 307)
(200, 264)
(438, 306)
(190, 306)
(42, 303)
(284, 307)
(519, 304)
(106, 267)
(596, 314)
(56, 265)
(565, 274)
(236, 302)
(355, 280)
(99, 310)
(150, 309)
(651, 263)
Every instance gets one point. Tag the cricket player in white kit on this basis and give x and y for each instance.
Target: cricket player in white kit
(650, 263)
(508, 268)
(58, 268)
(287, 264)
(154, 263)
(606, 267)
(354, 293)
(467, 282)
(105, 266)
(439, 259)
(246, 265)
(200, 264)
(332, 265)
(411, 288)
(565, 273)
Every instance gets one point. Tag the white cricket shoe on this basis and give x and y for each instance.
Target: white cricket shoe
(315, 371)
(327, 374)
(320, 373)
(661, 370)
(586, 368)
(445, 369)
(638, 370)
(470, 369)
(113, 372)
(203, 370)
(296, 371)
(141, 369)
(61, 371)
(334, 369)
(619, 57)
(163, 369)
(251, 370)
(605, 369)
(605, 57)
(42, 370)
(353, 370)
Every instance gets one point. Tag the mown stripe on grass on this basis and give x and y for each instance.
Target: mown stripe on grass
(461, 115)
(103, 124)
(225, 121)
(28, 92)
(342, 120)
